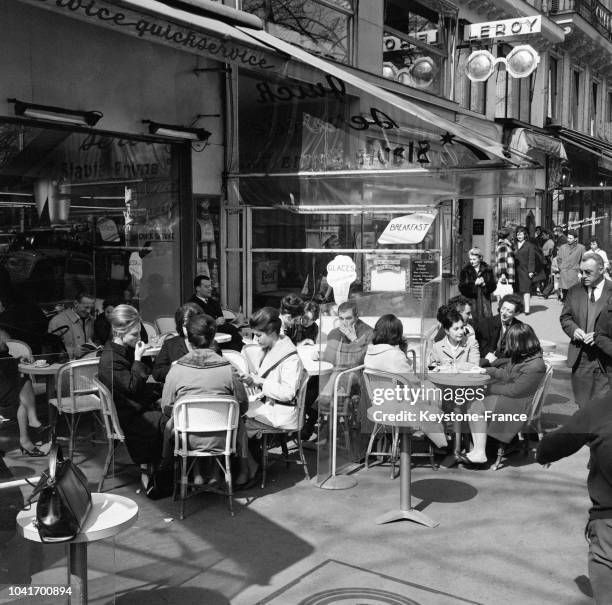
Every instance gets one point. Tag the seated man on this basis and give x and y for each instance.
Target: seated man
(76, 324)
(463, 306)
(203, 298)
(491, 331)
(17, 399)
(346, 348)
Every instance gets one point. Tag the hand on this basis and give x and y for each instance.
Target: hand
(479, 281)
(349, 332)
(256, 380)
(589, 338)
(531, 274)
(220, 321)
(579, 334)
(139, 350)
(490, 357)
(78, 352)
(316, 354)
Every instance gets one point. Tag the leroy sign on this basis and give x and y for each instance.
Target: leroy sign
(503, 29)
(409, 229)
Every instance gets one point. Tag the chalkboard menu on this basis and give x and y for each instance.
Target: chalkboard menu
(422, 271)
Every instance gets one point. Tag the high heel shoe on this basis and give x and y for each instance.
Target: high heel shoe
(34, 453)
(39, 433)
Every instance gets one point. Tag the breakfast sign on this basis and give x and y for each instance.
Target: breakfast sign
(155, 22)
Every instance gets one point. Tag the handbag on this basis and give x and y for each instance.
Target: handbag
(503, 289)
(64, 499)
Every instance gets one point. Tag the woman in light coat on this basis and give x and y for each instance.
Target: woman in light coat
(276, 370)
(456, 348)
(387, 352)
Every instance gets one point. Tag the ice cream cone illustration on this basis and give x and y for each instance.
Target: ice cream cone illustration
(340, 275)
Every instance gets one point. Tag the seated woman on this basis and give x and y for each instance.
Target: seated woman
(510, 392)
(291, 309)
(304, 329)
(17, 399)
(387, 352)
(175, 347)
(102, 327)
(276, 370)
(121, 369)
(456, 348)
(203, 371)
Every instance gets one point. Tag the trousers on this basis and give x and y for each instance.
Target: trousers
(588, 380)
(599, 536)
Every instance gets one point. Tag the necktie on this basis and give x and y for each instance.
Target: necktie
(592, 297)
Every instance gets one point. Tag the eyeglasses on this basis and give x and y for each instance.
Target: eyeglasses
(520, 62)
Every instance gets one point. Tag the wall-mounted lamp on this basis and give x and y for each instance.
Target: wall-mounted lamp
(187, 133)
(56, 114)
(520, 63)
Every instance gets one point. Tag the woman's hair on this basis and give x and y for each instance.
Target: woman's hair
(521, 342)
(123, 319)
(503, 233)
(523, 230)
(312, 307)
(389, 330)
(573, 232)
(475, 252)
(292, 305)
(448, 318)
(201, 330)
(266, 320)
(594, 240)
(183, 314)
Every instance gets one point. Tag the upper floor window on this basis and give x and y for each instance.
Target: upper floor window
(553, 88)
(416, 42)
(322, 27)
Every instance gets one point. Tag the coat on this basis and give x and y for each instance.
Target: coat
(280, 385)
(568, 263)
(387, 358)
(574, 316)
(127, 381)
(603, 333)
(203, 372)
(514, 386)
(481, 295)
(504, 261)
(172, 349)
(75, 335)
(466, 356)
(526, 259)
(487, 335)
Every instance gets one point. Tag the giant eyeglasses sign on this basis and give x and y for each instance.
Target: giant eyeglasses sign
(520, 63)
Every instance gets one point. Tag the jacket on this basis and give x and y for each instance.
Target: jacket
(526, 261)
(75, 335)
(126, 379)
(213, 308)
(280, 385)
(603, 332)
(504, 261)
(574, 316)
(342, 352)
(172, 349)
(387, 358)
(468, 276)
(515, 385)
(466, 355)
(487, 335)
(568, 263)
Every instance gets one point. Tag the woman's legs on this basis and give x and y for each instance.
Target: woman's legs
(248, 464)
(478, 428)
(26, 415)
(526, 300)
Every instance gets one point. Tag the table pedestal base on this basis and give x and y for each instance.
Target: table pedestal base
(338, 482)
(407, 515)
(77, 572)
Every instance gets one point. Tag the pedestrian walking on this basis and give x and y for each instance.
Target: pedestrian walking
(476, 282)
(528, 270)
(594, 244)
(581, 310)
(568, 262)
(504, 258)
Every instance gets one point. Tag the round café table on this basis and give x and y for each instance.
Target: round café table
(313, 367)
(457, 380)
(110, 514)
(408, 419)
(154, 349)
(49, 371)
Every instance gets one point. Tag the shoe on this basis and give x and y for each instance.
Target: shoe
(463, 459)
(252, 482)
(34, 453)
(250, 478)
(39, 433)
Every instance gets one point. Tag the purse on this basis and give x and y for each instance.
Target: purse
(64, 499)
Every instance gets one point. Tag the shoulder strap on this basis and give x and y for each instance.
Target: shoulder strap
(274, 365)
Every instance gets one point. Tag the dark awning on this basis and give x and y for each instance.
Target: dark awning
(585, 142)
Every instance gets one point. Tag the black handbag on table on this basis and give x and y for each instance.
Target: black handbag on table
(64, 499)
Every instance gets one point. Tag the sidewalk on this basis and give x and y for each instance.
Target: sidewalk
(508, 536)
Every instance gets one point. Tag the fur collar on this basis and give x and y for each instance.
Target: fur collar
(203, 358)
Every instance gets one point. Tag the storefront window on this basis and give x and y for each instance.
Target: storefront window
(323, 27)
(415, 43)
(90, 212)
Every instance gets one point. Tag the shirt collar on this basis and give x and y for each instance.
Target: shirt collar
(599, 287)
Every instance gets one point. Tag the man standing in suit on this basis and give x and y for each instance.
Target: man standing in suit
(203, 298)
(491, 331)
(581, 309)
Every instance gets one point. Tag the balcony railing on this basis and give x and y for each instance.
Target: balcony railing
(592, 11)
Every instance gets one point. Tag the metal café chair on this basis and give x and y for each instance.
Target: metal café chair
(204, 415)
(76, 394)
(151, 331)
(165, 324)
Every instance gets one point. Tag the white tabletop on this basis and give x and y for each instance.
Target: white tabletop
(313, 367)
(30, 368)
(153, 350)
(110, 514)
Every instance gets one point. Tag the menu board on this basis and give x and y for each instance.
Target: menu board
(422, 271)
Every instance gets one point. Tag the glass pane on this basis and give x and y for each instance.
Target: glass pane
(316, 27)
(90, 213)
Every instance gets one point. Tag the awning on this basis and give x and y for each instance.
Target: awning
(587, 143)
(429, 118)
(529, 141)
